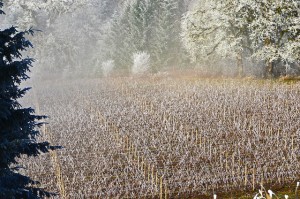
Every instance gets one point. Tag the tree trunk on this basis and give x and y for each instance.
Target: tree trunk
(269, 69)
(240, 65)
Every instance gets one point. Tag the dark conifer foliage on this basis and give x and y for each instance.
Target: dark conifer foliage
(18, 126)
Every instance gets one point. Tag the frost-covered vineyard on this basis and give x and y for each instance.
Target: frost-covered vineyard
(130, 138)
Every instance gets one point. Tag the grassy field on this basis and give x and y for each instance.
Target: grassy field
(182, 137)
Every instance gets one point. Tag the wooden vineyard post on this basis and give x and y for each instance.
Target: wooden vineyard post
(196, 136)
(133, 150)
(292, 143)
(156, 178)
(166, 191)
(117, 135)
(253, 179)
(145, 170)
(200, 140)
(209, 148)
(233, 162)
(262, 179)
(130, 149)
(152, 175)
(149, 172)
(126, 144)
(246, 176)
(161, 188)
(44, 130)
(142, 167)
(226, 161)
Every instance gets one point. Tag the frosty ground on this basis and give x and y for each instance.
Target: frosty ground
(168, 137)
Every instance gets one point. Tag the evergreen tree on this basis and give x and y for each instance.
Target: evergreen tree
(147, 26)
(133, 23)
(166, 48)
(119, 47)
(18, 126)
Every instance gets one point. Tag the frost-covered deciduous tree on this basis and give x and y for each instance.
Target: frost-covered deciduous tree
(276, 32)
(107, 67)
(262, 30)
(217, 30)
(30, 11)
(141, 63)
(18, 126)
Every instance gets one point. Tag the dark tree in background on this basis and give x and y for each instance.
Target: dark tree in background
(18, 126)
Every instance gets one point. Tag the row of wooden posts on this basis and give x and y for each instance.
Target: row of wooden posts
(57, 166)
(201, 141)
(53, 154)
(148, 169)
(151, 175)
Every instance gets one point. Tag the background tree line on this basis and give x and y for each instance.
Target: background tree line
(227, 37)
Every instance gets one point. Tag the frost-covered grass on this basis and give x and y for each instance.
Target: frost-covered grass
(282, 192)
(131, 138)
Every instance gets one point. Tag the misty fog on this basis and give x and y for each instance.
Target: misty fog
(161, 98)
